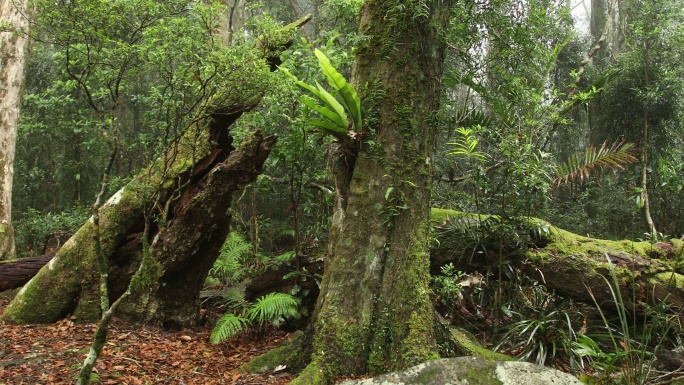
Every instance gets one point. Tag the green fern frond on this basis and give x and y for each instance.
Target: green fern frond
(334, 111)
(228, 327)
(273, 307)
(465, 145)
(580, 165)
(231, 257)
(235, 247)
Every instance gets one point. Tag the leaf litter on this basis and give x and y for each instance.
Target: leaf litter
(134, 354)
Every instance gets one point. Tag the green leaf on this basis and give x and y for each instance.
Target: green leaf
(332, 103)
(272, 307)
(330, 128)
(326, 112)
(580, 165)
(228, 327)
(350, 99)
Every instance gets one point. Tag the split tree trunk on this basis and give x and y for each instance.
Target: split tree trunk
(14, 45)
(194, 183)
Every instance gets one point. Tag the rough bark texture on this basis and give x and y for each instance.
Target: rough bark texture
(374, 313)
(16, 273)
(193, 183)
(13, 51)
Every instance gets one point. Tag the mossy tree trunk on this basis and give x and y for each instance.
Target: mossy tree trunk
(373, 313)
(187, 192)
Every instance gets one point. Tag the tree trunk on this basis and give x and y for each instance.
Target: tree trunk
(374, 313)
(14, 45)
(193, 185)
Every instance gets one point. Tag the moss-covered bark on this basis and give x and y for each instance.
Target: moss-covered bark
(373, 313)
(188, 191)
(572, 264)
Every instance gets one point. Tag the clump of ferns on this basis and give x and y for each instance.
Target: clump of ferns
(270, 310)
(235, 261)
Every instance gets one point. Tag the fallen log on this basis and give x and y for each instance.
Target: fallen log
(572, 265)
(15, 273)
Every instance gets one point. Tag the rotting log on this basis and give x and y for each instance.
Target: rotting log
(194, 183)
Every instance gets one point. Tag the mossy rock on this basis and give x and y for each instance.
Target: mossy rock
(472, 371)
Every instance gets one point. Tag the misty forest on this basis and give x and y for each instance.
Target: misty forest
(335, 191)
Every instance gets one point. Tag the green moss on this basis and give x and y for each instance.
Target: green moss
(671, 279)
(313, 374)
(292, 354)
(475, 349)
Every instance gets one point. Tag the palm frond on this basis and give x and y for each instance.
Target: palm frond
(580, 165)
(228, 327)
(273, 307)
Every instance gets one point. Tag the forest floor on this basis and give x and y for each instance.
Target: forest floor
(134, 354)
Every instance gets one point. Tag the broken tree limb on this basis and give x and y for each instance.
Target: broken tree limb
(193, 183)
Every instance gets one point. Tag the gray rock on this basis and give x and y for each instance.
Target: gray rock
(472, 371)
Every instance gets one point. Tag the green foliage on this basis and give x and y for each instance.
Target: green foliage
(272, 308)
(546, 332)
(630, 346)
(446, 286)
(579, 165)
(336, 122)
(37, 233)
(136, 70)
(465, 145)
(227, 327)
(230, 265)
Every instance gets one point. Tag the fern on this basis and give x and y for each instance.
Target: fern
(466, 145)
(580, 165)
(273, 308)
(228, 266)
(228, 327)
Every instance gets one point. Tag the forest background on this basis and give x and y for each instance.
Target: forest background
(539, 117)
